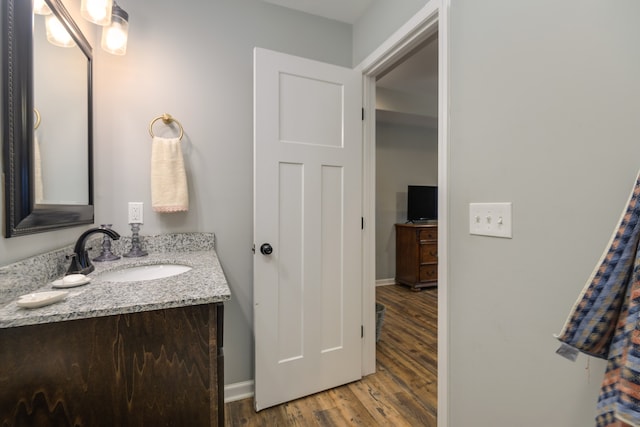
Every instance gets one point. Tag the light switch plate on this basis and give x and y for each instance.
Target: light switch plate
(490, 219)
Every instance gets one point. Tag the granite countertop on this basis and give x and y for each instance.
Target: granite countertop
(205, 283)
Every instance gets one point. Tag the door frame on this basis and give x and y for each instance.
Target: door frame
(432, 18)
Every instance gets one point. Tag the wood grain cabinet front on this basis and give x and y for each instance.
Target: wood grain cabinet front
(417, 255)
(154, 368)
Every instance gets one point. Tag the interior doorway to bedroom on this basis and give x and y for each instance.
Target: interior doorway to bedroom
(406, 155)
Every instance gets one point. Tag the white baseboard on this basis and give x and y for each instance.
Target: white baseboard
(238, 391)
(385, 282)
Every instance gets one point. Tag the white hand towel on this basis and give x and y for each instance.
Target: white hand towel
(37, 169)
(169, 192)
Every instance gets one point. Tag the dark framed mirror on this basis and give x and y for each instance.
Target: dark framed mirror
(26, 167)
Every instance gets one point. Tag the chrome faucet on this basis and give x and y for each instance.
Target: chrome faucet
(80, 261)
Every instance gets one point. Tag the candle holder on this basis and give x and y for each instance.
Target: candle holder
(106, 254)
(136, 250)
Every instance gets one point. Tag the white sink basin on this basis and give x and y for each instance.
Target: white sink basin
(144, 272)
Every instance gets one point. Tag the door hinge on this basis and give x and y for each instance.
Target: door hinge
(361, 331)
(363, 114)
(361, 223)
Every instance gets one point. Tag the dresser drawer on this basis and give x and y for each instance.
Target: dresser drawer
(430, 233)
(429, 252)
(428, 273)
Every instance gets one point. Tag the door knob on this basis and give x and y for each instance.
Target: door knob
(266, 249)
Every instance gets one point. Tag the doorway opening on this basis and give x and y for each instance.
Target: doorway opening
(406, 151)
(430, 23)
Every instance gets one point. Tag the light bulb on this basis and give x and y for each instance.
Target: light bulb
(57, 34)
(41, 8)
(114, 36)
(97, 11)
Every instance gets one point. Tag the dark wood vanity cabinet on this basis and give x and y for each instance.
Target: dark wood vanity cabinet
(153, 368)
(417, 255)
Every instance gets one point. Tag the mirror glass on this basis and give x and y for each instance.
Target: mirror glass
(61, 129)
(46, 122)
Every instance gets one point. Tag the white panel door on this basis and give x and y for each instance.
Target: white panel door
(307, 207)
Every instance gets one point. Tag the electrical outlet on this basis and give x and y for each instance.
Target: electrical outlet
(135, 212)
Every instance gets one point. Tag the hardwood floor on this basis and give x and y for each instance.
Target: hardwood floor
(402, 392)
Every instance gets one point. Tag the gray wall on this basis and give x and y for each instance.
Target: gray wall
(381, 20)
(404, 155)
(544, 114)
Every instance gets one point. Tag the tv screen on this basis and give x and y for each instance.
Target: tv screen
(422, 203)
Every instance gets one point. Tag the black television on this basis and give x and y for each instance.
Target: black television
(422, 203)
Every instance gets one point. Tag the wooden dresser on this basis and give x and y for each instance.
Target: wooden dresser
(417, 255)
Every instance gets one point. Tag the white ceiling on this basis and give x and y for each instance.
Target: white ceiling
(340, 10)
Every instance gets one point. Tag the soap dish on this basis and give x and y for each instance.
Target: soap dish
(71, 281)
(40, 299)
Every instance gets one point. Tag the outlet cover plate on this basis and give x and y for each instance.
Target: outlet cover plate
(135, 212)
(490, 219)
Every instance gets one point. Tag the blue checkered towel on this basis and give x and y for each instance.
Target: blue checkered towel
(604, 321)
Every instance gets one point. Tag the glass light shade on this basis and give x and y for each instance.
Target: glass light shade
(114, 36)
(41, 8)
(57, 34)
(97, 11)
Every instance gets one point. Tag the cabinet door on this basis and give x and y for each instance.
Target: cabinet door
(152, 368)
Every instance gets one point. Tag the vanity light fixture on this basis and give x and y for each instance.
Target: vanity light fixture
(41, 8)
(114, 35)
(97, 11)
(57, 34)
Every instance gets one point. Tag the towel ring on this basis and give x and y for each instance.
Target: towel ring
(37, 113)
(166, 119)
